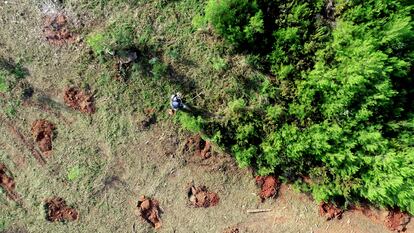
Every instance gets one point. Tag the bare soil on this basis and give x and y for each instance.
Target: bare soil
(56, 30)
(149, 210)
(201, 197)
(269, 186)
(58, 211)
(200, 147)
(231, 230)
(79, 100)
(7, 183)
(397, 221)
(43, 134)
(330, 211)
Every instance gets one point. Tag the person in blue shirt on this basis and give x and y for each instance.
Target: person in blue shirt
(176, 102)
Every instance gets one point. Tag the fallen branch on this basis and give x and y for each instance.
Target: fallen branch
(258, 211)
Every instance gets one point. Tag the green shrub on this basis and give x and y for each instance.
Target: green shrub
(119, 35)
(198, 21)
(98, 43)
(219, 64)
(11, 108)
(339, 107)
(190, 123)
(238, 21)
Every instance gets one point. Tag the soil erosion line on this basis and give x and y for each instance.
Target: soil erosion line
(12, 128)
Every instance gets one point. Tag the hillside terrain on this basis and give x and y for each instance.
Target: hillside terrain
(301, 111)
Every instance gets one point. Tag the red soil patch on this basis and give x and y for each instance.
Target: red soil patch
(7, 183)
(56, 30)
(232, 230)
(204, 157)
(269, 186)
(149, 210)
(330, 211)
(58, 211)
(42, 132)
(397, 220)
(201, 197)
(202, 148)
(79, 100)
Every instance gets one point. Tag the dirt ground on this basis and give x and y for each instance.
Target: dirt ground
(104, 162)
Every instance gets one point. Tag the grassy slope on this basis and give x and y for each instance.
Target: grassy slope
(110, 143)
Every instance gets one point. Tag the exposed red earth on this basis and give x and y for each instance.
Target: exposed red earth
(269, 186)
(397, 220)
(56, 30)
(79, 100)
(7, 183)
(201, 197)
(330, 211)
(43, 132)
(201, 147)
(149, 209)
(58, 211)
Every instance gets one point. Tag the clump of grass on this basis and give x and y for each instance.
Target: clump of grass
(74, 173)
(190, 123)
(98, 43)
(219, 64)
(11, 108)
(2, 223)
(3, 84)
(119, 35)
(159, 68)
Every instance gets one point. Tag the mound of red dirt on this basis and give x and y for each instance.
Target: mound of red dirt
(56, 30)
(397, 220)
(42, 132)
(201, 197)
(232, 230)
(149, 210)
(269, 186)
(202, 148)
(79, 100)
(330, 211)
(57, 210)
(7, 182)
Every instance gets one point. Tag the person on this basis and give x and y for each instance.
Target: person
(176, 102)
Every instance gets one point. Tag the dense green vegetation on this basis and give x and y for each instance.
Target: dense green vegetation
(338, 105)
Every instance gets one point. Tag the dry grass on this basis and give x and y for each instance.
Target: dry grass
(113, 159)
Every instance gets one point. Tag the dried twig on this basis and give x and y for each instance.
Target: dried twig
(258, 211)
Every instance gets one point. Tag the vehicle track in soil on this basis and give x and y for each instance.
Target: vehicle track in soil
(24, 141)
